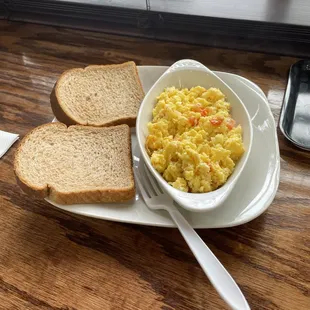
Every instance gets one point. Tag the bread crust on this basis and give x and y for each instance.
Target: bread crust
(78, 197)
(64, 116)
(58, 111)
(93, 196)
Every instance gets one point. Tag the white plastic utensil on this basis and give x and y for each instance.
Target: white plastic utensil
(156, 199)
(189, 73)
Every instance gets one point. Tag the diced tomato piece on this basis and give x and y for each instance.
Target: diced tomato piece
(216, 121)
(231, 124)
(204, 112)
(201, 110)
(193, 120)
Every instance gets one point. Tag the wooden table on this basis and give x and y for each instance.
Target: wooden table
(51, 259)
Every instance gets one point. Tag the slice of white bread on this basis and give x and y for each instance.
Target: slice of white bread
(76, 164)
(102, 95)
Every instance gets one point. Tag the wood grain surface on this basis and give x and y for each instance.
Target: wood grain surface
(53, 260)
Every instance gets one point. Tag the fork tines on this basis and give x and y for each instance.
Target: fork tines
(147, 183)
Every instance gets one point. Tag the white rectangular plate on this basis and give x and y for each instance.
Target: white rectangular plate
(251, 196)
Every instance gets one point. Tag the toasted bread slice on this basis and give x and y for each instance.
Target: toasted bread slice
(102, 95)
(78, 164)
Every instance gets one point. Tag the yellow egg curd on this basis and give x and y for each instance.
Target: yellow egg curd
(193, 140)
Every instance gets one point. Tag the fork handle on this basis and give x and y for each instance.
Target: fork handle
(215, 271)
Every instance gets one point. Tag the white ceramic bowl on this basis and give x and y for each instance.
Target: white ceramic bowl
(189, 73)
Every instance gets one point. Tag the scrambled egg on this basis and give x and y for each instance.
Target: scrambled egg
(193, 140)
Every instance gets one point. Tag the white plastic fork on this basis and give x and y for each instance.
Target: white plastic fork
(222, 281)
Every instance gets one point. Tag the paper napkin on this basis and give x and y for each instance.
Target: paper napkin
(6, 141)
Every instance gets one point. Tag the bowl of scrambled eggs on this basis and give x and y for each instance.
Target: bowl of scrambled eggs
(194, 135)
